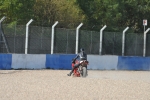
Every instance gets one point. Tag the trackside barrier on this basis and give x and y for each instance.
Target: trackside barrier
(60, 61)
(133, 63)
(28, 61)
(98, 62)
(63, 62)
(5, 61)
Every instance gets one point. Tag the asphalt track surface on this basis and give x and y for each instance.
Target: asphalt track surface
(56, 85)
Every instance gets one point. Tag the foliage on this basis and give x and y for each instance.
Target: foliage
(116, 14)
(16, 9)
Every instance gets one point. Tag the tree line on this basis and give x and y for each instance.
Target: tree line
(116, 14)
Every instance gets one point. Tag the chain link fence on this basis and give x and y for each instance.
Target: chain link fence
(65, 41)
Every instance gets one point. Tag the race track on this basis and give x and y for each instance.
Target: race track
(56, 85)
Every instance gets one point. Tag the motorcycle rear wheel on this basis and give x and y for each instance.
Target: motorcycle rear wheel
(84, 71)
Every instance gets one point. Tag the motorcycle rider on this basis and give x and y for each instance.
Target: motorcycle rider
(82, 55)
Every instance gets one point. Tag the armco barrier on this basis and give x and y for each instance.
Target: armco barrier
(59, 61)
(5, 61)
(98, 62)
(133, 63)
(28, 61)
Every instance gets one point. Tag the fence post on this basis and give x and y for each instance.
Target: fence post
(2, 34)
(123, 40)
(2, 19)
(1, 26)
(77, 37)
(27, 33)
(101, 35)
(52, 38)
(144, 48)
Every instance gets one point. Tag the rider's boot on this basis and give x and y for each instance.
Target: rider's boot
(69, 74)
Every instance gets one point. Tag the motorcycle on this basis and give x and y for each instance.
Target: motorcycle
(81, 71)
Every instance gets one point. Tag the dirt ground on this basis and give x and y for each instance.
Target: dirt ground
(56, 85)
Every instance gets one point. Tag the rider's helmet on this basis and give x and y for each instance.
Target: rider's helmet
(81, 49)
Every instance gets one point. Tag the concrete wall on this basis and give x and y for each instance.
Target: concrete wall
(63, 62)
(28, 61)
(133, 63)
(5, 61)
(102, 62)
(59, 61)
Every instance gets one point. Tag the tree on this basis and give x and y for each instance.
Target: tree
(16, 10)
(64, 11)
(116, 14)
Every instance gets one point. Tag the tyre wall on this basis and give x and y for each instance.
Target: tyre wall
(63, 62)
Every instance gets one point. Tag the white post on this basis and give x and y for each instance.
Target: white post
(101, 35)
(52, 37)
(123, 40)
(2, 34)
(2, 19)
(144, 48)
(77, 37)
(27, 32)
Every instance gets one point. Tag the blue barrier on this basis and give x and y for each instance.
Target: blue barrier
(59, 61)
(133, 63)
(5, 61)
(65, 61)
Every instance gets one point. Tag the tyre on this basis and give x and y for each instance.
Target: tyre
(84, 71)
